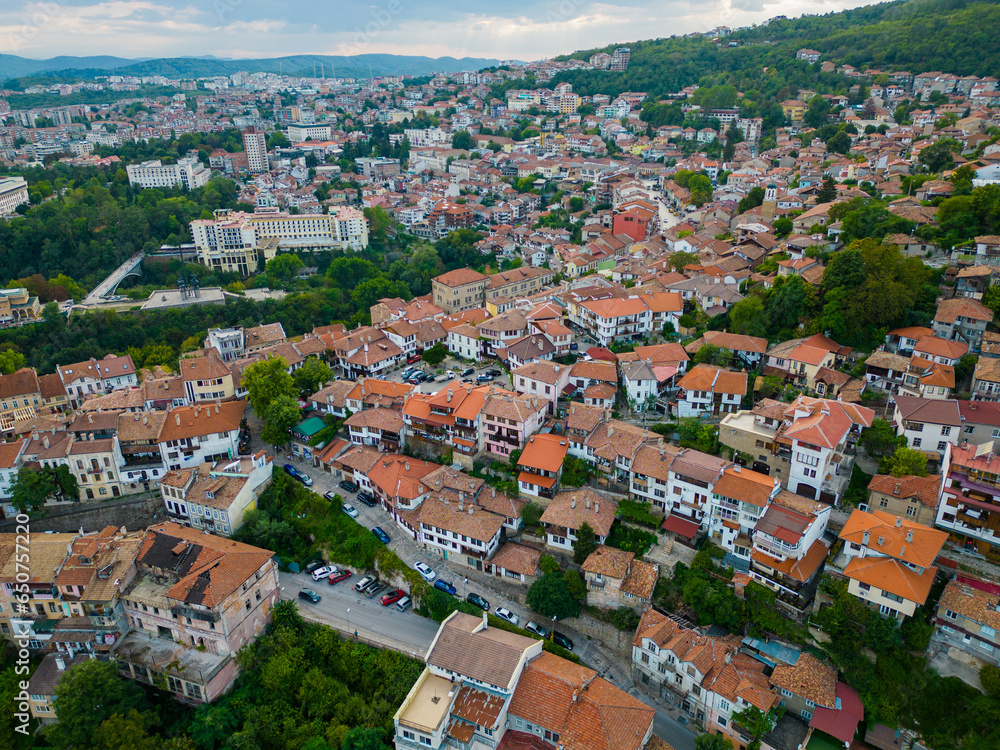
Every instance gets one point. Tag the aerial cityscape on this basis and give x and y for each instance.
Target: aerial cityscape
(545, 377)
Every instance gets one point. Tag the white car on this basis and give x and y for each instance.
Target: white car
(425, 571)
(505, 614)
(321, 573)
(350, 510)
(537, 629)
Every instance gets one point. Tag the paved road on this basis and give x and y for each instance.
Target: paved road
(404, 631)
(418, 631)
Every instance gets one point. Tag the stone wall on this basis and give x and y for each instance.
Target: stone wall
(133, 512)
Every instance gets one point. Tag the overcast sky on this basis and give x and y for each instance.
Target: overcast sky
(515, 29)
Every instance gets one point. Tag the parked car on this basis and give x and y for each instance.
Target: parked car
(505, 614)
(444, 586)
(484, 378)
(537, 629)
(331, 495)
(494, 373)
(574, 347)
(442, 378)
(414, 381)
(367, 499)
(309, 595)
(425, 571)
(474, 598)
(562, 640)
(313, 565)
(364, 583)
(413, 358)
(392, 597)
(372, 591)
(408, 372)
(348, 485)
(404, 604)
(290, 470)
(350, 510)
(341, 576)
(325, 572)
(382, 536)
(376, 583)
(470, 371)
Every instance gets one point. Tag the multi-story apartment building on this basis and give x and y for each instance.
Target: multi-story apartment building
(962, 319)
(451, 417)
(739, 499)
(459, 530)
(193, 435)
(236, 242)
(20, 397)
(710, 390)
(459, 290)
(463, 701)
(969, 508)
(968, 618)
(13, 193)
(197, 599)
(928, 425)
(509, 420)
(207, 379)
(255, 146)
(17, 307)
(229, 343)
(610, 320)
(216, 497)
(890, 561)
(519, 282)
(545, 380)
(540, 465)
(789, 549)
(299, 132)
(187, 173)
(94, 376)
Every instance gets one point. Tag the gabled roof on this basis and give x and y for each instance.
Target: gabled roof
(195, 421)
(544, 452)
(915, 409)
(924, 489)
(486, 654)
(894, 536)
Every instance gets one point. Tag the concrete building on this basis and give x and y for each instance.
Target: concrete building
(13, 193)
(255, 147)
(459, 290)
(188, 173)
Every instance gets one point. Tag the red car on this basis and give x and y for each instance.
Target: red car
(342, 576)
(414, 358)
(392, 597)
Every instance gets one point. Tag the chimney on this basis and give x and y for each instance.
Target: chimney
(60, 663)
(45, 442)
(177, 418)
(471, 509)
(216, 407)
(90, 419)
(898, 486)
(572, 504)
(586, 503)
(407, 465)
(597, 506)
(899, 521)
(864, 538)
(909, 535)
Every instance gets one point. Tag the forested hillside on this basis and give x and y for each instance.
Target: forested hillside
(953, 36)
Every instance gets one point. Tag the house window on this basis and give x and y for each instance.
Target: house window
(807, 715)
(864, 587)
(645, 658)
(722, 721)
(916, 442)
(987, 631)
(941, 446)
(951, 615)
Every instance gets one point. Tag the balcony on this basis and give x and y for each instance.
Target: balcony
(194, 614)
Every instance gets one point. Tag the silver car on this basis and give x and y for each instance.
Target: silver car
(505, 614)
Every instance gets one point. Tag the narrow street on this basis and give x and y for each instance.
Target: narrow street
(407, 630)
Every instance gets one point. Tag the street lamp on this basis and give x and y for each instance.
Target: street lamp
(348, 619)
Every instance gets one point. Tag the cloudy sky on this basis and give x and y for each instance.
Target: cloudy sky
(516, 29)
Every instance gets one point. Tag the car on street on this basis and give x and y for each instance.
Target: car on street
(348, 485)
(473, 598)
(425, 571)
(350, 510)
(330, 495)
(337, 578)
(313, 565)
(392, 597)
(296, 474)
(413, 358)
(413, 381)
(367, 499)
(494, 373)
(382, 536)
(309, 595)
(442, 378)
(408, 372)
(484, 378)
(372, 591)
(325, 572)
(404, 604)
(505, 614)
(364, 583)
(561, 640)
(445, 586)
(537, 629)
(470, 371)
(574, 347)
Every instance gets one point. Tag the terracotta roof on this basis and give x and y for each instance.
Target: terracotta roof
(915, 409)
(20, 383)
(477, 707)
(951, 309)
(195, 421)
(386, 420)
(641, 579)
(399, 476)
(586, 711)
(924, 489)
(463, 518)
(746, 486)
(970, 599)
(486, 654)
(209, 367)
(517, 558)
(595, 370)
(890, 575)
(545, 452)
(808, 678)
(460, 277)
(801, 570)
(573, 508)
(714, 380)
(608, 561)
(545, 372)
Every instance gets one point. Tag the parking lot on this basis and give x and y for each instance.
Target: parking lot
(449, 369)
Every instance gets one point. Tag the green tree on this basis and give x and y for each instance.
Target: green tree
(827, 192)
(700, 187)
(709, 354)
(11, 361)
(753, 199)
(585, 543)
(87, 695)
(266, 381)
(463, 140)
(548, 564)
(747, 317)
(906, 462)
(551, 597)
(757, 723)
(32, 487)
(277, 140)
(783, 227)
(681, 259)
(712, 742)
(280, 416)
(281, 269)
(310, 377)
(880, 439)
(435, 355)
(576, 472)
(989, 677)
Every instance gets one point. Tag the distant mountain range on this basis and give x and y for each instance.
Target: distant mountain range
(356, 66)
